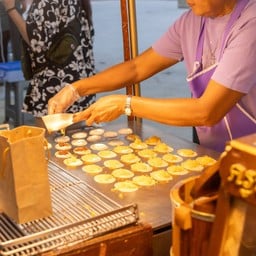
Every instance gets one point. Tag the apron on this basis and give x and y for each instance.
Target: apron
(237, 121)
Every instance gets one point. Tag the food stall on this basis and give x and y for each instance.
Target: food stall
(88, 214)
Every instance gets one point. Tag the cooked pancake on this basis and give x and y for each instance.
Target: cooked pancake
(126, 186)
(107, 154)
(141, 167)
(161, 176)
(93, 138)
(73, 161)
(153, 140)
(144, 180)
(79, 135)
(62, 139)
(78, 142)
(113, 164)
(92, 168)
(132, 137)
(186, 152)
(91, 158)
(130, 158)
(63, 154)
(97, 131)
(138, 144)
(114, 143)
(104, 178)
(192, 165)
(172, 158)
(122, 149)
(99, 146)
(81, 150)
(63, 146)
(147, 153)
(157, 162)
(163, 148)
(122, 173)
(125, 131)
(205, 160)
(110, 134)
(177, 170)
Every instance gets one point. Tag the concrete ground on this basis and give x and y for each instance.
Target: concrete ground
(153, 18)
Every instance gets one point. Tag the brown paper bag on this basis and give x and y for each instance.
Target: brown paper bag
(24, 184)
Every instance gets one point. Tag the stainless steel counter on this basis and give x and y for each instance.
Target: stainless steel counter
(153, 202)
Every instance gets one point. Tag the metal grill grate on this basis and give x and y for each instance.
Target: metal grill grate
(79, 213)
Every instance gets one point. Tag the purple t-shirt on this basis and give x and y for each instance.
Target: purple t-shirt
(237, 67)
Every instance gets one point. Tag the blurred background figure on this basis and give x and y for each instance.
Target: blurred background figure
(57, 49)
(9, 36)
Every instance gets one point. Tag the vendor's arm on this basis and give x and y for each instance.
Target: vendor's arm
(127, 73)
(207, 110)
(16, 18)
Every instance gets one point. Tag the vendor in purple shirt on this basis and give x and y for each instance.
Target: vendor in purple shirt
(216, 39)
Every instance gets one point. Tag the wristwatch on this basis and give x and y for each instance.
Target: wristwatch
(127, 108)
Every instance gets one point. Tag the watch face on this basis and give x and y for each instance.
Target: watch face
(128, 111)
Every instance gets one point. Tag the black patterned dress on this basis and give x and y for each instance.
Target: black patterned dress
(46, 18)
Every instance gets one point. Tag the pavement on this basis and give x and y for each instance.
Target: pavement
(153, 18)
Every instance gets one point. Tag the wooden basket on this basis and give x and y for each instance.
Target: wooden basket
(192, 220)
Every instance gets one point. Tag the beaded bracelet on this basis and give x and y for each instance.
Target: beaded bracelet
(10, 9)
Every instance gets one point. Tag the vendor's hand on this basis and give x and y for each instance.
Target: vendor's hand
(63, 100)
(105, 109)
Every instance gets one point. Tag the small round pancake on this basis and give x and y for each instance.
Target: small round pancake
(157, 162)
(115, 143)
(161, 176)
(107, 154)
(125, 131)
(205, 160)
(147, 153)
(122, 149)
(79, 135)
(141, 167)
(63, 154)
(79, 142)
(113, 164)
(144, 180)
(138, 144)
(99, 146)
(63, 146)
(92, 168)
(192, 165)
(62, 139)
(162, 148)
(104, 178)
(73, 162)
(97, 131)
(81, 150)
(153, 140)
(186, 152)
(172, 158)
(110, 134)
(93, 138)
(91, 158)
(177, 170)
(130, 158)
(132, 137)
(126, 186)
(122, 173)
